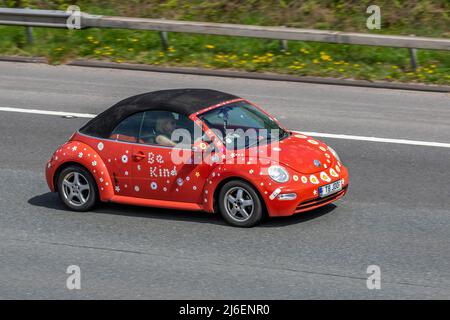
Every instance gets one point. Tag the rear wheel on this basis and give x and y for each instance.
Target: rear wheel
(240, 204)
(77, 189)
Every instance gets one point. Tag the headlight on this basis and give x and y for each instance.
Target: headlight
(334, 153)
(278, 174)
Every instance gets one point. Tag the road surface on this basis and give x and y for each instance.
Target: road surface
(396, 214)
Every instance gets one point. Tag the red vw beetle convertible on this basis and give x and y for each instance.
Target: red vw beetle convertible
(195, 149)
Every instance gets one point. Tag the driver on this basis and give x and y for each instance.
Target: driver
(164, 127)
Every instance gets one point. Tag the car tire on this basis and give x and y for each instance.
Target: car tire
(240, 204)
(77, 188)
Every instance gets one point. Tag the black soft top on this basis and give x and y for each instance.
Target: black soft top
(182, 101)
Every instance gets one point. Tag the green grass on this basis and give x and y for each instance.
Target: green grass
(256, 55)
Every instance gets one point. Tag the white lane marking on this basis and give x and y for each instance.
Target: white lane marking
(374, 139)
(47, 112)
(313, 134)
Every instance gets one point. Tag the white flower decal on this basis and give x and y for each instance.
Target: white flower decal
(215, 158)
(124, 158)
(100, 146)
(180, 182)
(80, 155)
(94, 163)
(74, 148)
(117, 189)
(324, 176)
(136, 188)
(154, 185)
(333, 173)
(313, 179)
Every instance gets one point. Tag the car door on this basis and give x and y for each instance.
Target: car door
(166, 172)
(118, 158)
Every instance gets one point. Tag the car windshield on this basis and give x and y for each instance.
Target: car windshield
(241, 125)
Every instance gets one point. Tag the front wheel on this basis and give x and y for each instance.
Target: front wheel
(77, 189)
(240, 204)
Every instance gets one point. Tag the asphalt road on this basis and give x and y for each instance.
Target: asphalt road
(396, 214)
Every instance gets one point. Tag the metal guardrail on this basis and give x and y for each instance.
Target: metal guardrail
(57, 19)
(34, 18)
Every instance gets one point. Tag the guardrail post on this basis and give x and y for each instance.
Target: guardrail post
(283, 45)
(413, 56)
(164, 40)
(29, 31)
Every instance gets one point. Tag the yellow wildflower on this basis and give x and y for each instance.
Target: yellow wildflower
(326, 57)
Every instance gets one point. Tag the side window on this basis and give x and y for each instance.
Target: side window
(128, 129)
(163, 128)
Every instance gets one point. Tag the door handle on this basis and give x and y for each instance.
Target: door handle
(139, 156)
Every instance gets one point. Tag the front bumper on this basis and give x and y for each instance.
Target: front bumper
(307, 197)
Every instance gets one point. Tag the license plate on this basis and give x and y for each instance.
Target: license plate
(330, 189)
